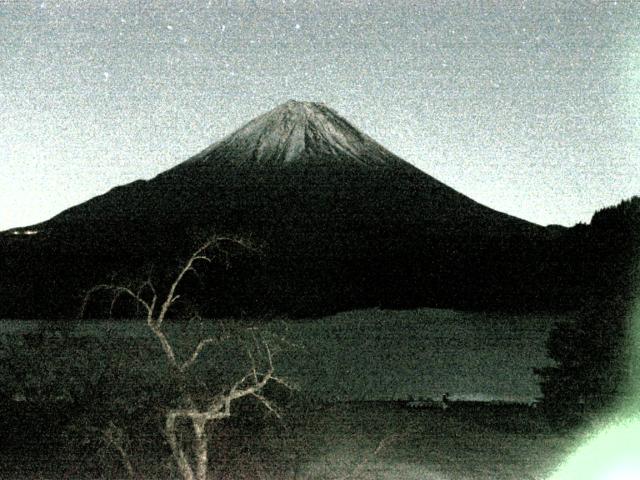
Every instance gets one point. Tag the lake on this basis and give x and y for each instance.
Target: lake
(386, 355)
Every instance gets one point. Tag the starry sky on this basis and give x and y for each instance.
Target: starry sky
(531, 108)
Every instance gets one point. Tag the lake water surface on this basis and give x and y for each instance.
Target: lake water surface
(377, 354)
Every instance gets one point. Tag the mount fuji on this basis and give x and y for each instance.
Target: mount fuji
(343, 223)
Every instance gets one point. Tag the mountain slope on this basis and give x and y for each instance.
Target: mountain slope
(297, 149)
(344, 223)
(299, 132)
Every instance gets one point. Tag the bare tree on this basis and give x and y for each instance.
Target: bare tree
(199, 412)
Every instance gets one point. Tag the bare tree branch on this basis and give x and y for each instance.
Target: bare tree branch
(165, 344)
(218, 407)
(113, 436)
(118, 291)
(266, 403)
(284, 383)
(196, 353)
(115, 298)
(198, 255)
(253, 366)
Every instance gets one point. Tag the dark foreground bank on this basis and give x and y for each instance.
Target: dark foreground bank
(383, 440)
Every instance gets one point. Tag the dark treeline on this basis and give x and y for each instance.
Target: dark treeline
(593, 348)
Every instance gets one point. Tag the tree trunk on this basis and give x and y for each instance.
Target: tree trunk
(202, 460)
(178, 453)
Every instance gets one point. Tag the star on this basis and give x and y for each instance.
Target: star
(377, 68)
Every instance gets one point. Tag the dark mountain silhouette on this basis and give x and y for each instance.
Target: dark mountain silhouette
(344, 223)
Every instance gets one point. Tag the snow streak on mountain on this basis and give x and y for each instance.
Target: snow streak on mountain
(301, 132)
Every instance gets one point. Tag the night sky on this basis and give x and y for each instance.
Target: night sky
(531, 108)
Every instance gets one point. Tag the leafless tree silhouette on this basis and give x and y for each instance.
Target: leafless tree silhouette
(199, 412)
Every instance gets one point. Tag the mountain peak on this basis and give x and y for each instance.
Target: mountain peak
(297, 132)
(297, 104)
(292, 106)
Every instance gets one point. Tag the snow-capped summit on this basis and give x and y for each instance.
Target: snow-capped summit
(299, 132)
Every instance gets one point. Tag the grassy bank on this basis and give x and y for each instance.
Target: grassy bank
(364, 440)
